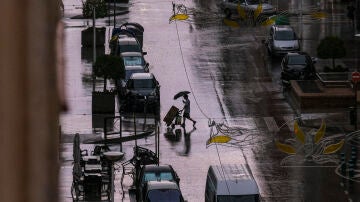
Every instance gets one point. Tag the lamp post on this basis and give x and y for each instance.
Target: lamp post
(94, 48)
(301, 22)
(114, 13)
(357, 18)
(355, 77)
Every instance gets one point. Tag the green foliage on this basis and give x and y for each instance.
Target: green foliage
(100, 8)
(109, 66)
(331, 47)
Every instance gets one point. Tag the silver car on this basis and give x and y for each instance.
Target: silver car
(282, 39)
(132, 59)
(230, 6)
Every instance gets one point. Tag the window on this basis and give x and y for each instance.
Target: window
(129, 48)
(285, 35)
(133, 61)
(297, 60)
(166, 176)
(149, 177)
(253, 2)
(234, 1)
(209, 190)
(143, 83)
(164, 195)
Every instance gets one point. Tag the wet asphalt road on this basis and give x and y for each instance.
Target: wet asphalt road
(232, 81)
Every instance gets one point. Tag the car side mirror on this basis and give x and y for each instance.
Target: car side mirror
(177, 180)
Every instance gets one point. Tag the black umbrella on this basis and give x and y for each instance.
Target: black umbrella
(180, 94)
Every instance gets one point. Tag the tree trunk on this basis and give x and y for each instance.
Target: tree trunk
(105, 81)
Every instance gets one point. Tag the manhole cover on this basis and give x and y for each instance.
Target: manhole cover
(309, 87)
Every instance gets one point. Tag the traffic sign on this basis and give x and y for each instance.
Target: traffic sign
(355, 77)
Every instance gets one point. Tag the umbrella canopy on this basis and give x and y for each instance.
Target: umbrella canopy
(180, 94)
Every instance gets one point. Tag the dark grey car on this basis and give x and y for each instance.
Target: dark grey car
(154, 172)
(142, 92)
(157, 191)
(297, 66)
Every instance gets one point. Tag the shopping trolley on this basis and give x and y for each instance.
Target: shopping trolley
(173, 117)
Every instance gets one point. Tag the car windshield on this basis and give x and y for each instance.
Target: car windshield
(129, 48)
(235, 198)
(285, 35)
(151, 176)
(141, 83)
(297, 60)
(133, 60)
(255, 2)
(164, 195)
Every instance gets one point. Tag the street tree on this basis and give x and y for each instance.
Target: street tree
(331, 47)
(100, 8)
(109, 67)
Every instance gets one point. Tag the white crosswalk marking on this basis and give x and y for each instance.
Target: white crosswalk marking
(271, 124)
(289, 121)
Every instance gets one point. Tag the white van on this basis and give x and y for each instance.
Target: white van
(231, 183)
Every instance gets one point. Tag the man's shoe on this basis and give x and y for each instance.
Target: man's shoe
(194, 124)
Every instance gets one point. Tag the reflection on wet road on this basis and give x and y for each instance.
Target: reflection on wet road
(233, 83)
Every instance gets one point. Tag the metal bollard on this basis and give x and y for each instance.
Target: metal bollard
(352, 115)
(354, 155)
(351, 175)
(343, 163)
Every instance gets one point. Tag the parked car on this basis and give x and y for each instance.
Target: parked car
(142, 91)
(129, 70)
(154, 172)
(132, 59)
(231, 182)
(131, 29)
(124, 43)
(282, 39)
(297, 66)
(230, 6)
(156, 191)
(134, 62)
